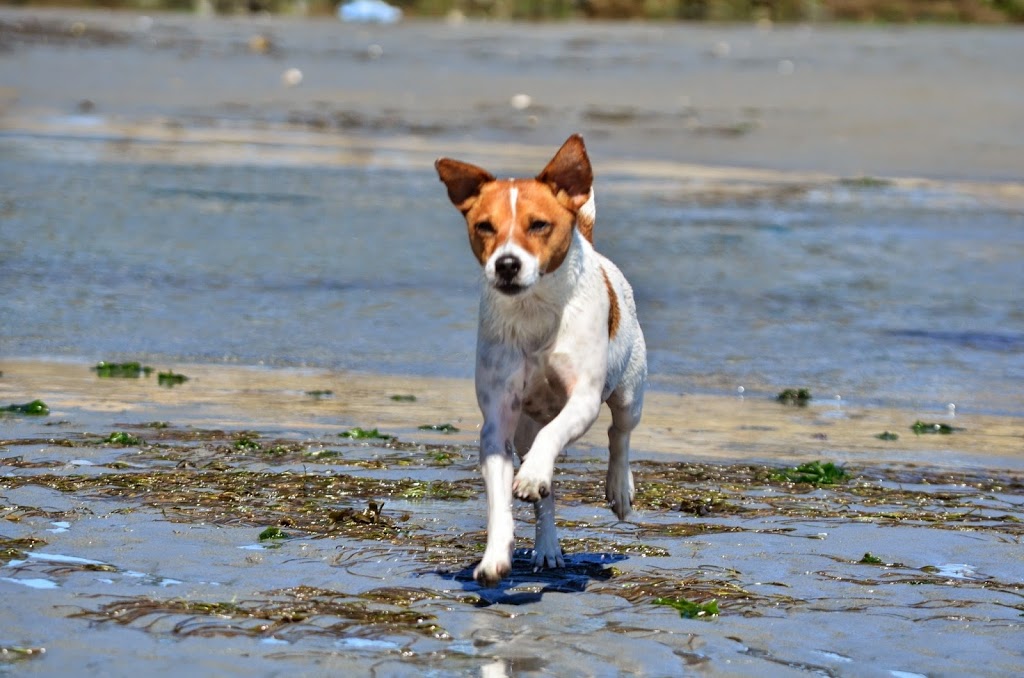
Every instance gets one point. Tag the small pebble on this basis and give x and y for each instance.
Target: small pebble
(521, 102)
(260, 44)
(291, 77)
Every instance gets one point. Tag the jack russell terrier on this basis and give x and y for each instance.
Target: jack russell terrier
(558, 335)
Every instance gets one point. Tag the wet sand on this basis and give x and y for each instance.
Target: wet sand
(111, 549)
(751, 427)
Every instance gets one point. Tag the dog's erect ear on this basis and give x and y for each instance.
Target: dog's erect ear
(463, 181)
(570, 171)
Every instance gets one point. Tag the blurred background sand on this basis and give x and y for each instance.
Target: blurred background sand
(932, 101)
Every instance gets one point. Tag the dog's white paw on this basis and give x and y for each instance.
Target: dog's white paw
(491, 571)
(619, 491)
(531, 484)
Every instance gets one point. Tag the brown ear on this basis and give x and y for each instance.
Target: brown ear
(570, 171)
(462, 179)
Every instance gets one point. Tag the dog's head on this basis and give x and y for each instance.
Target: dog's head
(521, 229)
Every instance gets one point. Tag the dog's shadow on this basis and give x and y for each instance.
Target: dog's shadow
(526, 585)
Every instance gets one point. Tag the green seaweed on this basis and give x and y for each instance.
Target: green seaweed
(128, 370)
(864, 182)
(247, 442)
(320, 394)
(404, 596)
(369, 523)
(440, 428)
(686, 529)
(36, 408)
(441, 458)
(371, 515)
(14, 549)
(123, 439)
(593, 545)
(20, 462)
(403, 398)
(438, 489)
(689, 609)
(869, 559)
(920, 427)
(341, 615)
(887, 435)
(813, 473)
(12, 653)
(188, 482)
(222, 494)
(365, 434)
(170, 379)
(273, 533)
(794, 396)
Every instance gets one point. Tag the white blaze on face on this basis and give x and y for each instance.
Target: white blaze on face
(529, 271)
(513, 198)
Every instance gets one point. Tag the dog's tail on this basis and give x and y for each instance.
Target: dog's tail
(586, 217)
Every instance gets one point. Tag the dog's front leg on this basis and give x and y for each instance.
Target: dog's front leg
(499, 393)
(533, 482)
(497, 469)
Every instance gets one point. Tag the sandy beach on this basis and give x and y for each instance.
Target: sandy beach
(832, 207)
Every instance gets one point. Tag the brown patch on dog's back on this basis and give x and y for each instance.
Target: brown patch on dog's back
(613, 306)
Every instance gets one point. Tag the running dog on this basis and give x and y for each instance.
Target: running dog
(558, 335)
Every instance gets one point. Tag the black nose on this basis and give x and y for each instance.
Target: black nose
(507, 266)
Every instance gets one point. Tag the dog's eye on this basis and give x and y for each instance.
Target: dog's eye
(538, 225)
(484, 227)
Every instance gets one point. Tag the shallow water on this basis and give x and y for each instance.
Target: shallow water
(889, 295)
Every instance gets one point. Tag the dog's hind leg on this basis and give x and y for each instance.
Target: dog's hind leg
(626, 406)
(546, 551)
